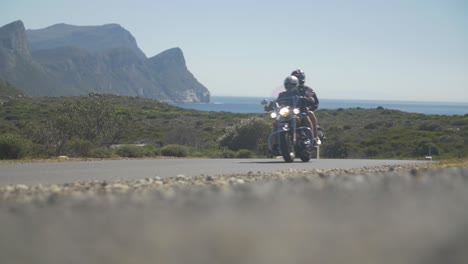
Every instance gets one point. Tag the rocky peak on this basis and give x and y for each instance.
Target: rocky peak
(95, 39)
(169, 58)
(173, 55)
(13, 38)
(179, 82)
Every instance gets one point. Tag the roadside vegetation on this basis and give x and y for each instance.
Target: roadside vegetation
(109, 126)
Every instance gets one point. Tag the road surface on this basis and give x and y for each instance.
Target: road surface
(72, 171)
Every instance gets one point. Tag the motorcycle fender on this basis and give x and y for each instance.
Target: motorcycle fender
(283, 127)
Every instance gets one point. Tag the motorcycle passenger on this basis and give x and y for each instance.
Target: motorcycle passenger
(310, 104)
(284, 98)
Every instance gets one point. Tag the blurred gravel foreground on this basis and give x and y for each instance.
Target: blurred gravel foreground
(381, 216)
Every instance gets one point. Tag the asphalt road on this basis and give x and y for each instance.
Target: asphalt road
(72, 171)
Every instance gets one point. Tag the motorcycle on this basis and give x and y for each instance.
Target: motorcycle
(292, 138)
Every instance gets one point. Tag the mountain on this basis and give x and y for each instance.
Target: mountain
(91, 38)
(63, 60)
(17, 66)
(172, 72)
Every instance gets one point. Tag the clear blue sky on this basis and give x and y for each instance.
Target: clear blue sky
(362, 49)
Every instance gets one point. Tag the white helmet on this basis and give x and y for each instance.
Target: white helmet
(291, 82)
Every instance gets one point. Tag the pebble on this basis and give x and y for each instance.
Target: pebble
(170, 187)
(21, 187)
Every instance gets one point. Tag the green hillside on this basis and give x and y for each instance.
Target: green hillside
(90, 125)
(8, 90)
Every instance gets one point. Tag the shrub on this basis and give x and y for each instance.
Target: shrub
(182, 134)
(372, 151)
(150, 151)
(248, 134)
(174, 150)
(447, 139)
(244, 154)
(228, 154)
(130, 151)
(77, 147)
(101, 153)
(425, 147)
(462, 122)
(14, 147)
(431, 126)
(212, 153)
(336, 149)
(371, 126)
(93, 118)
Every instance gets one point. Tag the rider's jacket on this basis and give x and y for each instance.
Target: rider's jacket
(286, 97)
(308, 92)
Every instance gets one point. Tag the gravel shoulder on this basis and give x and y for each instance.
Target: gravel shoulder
(67, 171)
(389, 214)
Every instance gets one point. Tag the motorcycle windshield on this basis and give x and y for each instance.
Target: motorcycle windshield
(287, 99)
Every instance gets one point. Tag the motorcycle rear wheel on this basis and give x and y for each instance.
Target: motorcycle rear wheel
(305, 156)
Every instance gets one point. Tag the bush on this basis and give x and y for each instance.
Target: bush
(228, 154)
(212, 153)
(182, 134)
(93, 118)
(431, 126)
(77, 147)
(174, 150)
(14, 147)
(244, 154)
(425, 147)
(248, 134)
(101, 153)
(336, 149)
(463, 122)
(371, 126)
(130, 151)
(150, 151)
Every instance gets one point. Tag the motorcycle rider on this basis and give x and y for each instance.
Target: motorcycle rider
(291, 85)
(310, 104)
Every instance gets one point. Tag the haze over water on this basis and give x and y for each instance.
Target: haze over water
(252, 105)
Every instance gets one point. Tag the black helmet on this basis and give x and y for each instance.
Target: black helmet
(300, 74)
(290, 83)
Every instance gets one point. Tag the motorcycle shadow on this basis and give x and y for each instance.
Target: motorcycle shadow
(275, 161)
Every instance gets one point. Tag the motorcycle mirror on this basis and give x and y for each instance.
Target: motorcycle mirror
(264, 102)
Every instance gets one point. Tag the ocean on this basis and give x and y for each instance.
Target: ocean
(236, 104)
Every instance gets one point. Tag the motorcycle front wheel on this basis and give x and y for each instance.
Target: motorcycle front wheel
(287, 148)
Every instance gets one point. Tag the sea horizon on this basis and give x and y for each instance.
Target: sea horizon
(251, 104)
(345, 99)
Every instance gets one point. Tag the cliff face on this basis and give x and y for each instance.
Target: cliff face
(70, 60)
(172, 72)
(16, 63)
(94, 39)
(13, 38)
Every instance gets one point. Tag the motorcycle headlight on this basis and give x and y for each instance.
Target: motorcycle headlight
(273, 115)
(296, 111)
(284, 112)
